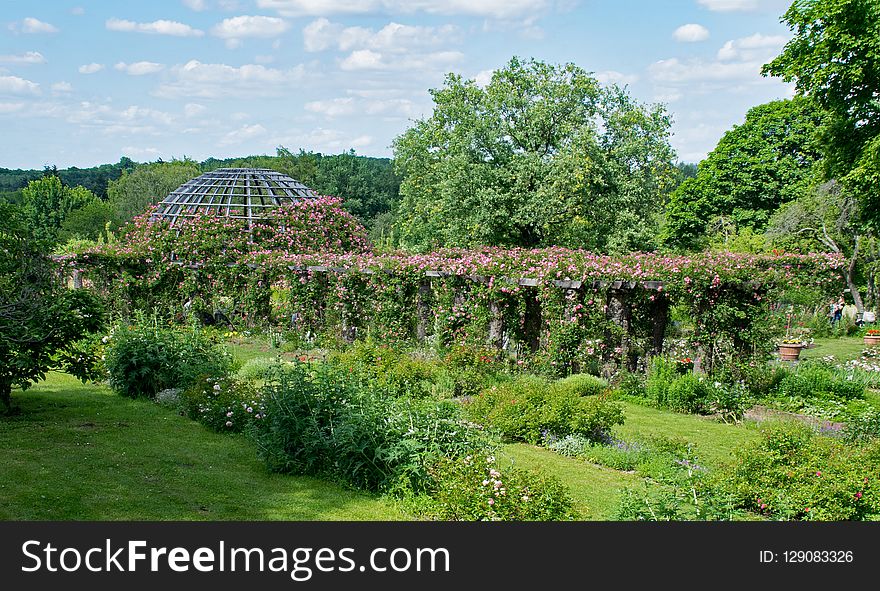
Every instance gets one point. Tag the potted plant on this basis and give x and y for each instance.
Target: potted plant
(790, 348)
(872, 337)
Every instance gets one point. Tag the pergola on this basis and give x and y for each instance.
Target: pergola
(238, 193)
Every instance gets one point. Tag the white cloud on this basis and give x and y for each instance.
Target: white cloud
(196, 79)
(243, 134)
(691, 33)
(498, 9)
(160, 27)
(327, 141)
(674, 70)
(16, 85)
(10, 107)
(241, 27)
(484, 77)
(323, 34)
(191, 110)
(90, 68)
(140, 154)
(615, 77)
(756, 47)
(62, 88)
(139, 68)
(197, 5)
(365, 59)
(333, 107)
(28, 57)
(130, 121)
(30, 25)
(729, 5)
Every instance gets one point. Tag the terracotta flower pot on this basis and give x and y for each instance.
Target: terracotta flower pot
(872, 340)
(790, 351)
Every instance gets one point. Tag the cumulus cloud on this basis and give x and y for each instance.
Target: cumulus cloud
(243, 134)
(15, 85)
(136, 153)
(139, 68)
(729, 5)
(90, 68)
(365, 59)
(10, 107)
(191, 110)
(323, 34)
(62, 88)
(197, 5)
(483, 78)
(754, 47)
(28, 57)
(498, 9)
(615, 77)
(30, 25)
(691, 33)
(234, 29)
(160, 27)
(197, 79)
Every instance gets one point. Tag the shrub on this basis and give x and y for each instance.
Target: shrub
(223, 405)
(527, 408)
(388, 369)
(144, 358)
(260, 368)
(813, 380)
(791, 473)
(475, 488)
(582, 384)
(325, 421)
(863, 427)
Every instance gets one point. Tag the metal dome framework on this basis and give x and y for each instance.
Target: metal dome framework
(238, 193)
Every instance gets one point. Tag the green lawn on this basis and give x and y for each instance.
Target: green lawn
(713, 441)
(843, 348)
(595, 489)
(82, 452)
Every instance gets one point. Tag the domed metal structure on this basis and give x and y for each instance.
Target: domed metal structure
(240, 193)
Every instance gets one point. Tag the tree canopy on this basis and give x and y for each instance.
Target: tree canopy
(542, 155)
(135, 191)
(834, 58)
(47, 203)
(756, 167)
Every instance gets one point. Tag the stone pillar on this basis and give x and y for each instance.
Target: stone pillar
(424, 305)
(496, 325)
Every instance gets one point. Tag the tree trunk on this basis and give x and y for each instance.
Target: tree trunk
(849, 276)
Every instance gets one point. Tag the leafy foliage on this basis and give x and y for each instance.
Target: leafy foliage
(525, 162)
(146, 357)
(47, 203)
(756, 167)
(38, 317)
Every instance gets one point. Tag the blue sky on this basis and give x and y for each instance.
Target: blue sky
(83, 83)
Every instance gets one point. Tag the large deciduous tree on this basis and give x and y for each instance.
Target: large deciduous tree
(47, 202)
(756, 167)
(834, 58)
(134, 192)
(542, 155)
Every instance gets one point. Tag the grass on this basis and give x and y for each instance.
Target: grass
(843, 348)
(713, 441)
(595, 489)
(82, 452)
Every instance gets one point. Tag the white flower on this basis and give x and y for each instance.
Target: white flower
(216, 387)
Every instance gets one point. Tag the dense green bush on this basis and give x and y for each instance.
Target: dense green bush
(815, 380)
(223, 404)
(863, 427)
(582, 384)
(475, 488)
(388, 369)
(323, 420)
(529, 408)
(145, 357)
(794, 474)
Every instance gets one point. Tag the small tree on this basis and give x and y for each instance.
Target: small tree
(38, 317)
